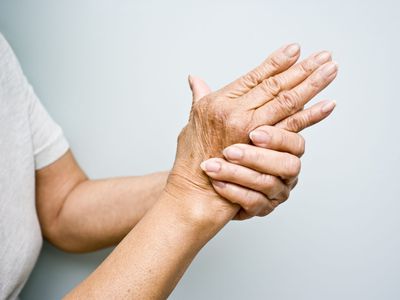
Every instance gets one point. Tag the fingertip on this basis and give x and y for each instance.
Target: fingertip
(322, 57)
(335, 68)
(292, 49)
(233, 153)
(336, 64)
(218, 184)
(259, 137)
(210, 165)
(328, 107)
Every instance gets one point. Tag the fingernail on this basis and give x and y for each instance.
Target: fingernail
(219, 184)
(328, 107)
(322, 57)
(260, 137)
(210, 166)
(329, 69)
(292, 49)
(233, 153)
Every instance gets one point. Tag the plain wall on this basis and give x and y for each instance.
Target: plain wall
(113, 75)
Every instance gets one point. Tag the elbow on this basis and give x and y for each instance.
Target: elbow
(64, 241)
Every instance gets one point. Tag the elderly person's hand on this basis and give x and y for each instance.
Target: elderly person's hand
(254, 177)
(267, 95)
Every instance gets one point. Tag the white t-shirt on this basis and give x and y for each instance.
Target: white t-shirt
(29, 140)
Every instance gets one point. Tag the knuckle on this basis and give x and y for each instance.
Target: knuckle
(314, 82)
(309, 117)
(275, 62)
(294, 123)
(270, 185)
(288, 101)
(292, 165)
(238, 127)
(251, 79)
(266, 211)
(216, 110)
(301, 145)
(264, 181)
(284, 195)
(303, 120)
(253, 200)
(246, 205)
(275, 203)
(306, 67)
(271, 85)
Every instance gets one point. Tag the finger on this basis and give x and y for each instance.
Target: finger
(241, 215)
(277, 62)
(252, 202)
(199, 87)
(272, 86)
(265, 161)
(220, 169)
(289, 102)
(307, 117)
(293, 183)
(278, 139)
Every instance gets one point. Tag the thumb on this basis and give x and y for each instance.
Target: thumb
(199, 87)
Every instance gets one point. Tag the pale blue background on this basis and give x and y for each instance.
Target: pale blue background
(113, 74)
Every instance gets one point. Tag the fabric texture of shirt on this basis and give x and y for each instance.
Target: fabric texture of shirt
(29, 140)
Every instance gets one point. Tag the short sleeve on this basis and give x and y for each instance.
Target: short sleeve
(48, 140)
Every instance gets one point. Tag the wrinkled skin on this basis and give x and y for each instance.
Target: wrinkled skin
(267, 95)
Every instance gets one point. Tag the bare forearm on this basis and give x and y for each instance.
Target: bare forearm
(151, 259)
(99, 213)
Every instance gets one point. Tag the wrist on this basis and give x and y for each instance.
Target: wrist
(198, 205)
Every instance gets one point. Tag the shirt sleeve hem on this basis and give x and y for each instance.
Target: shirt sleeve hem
(52, 152)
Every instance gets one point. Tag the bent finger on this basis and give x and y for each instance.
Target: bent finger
(222, 170)
(251, 201)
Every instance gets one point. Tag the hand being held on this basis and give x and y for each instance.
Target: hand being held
(253, 176)
(267, 95)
